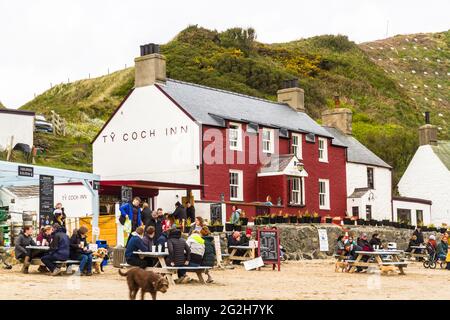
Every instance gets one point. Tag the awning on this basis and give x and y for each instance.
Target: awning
(156, 185)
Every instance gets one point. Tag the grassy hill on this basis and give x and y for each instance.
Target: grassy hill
(387, 109)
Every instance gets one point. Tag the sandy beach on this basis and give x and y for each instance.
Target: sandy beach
(313, 279)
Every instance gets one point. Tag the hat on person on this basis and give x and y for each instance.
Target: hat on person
(432, 237)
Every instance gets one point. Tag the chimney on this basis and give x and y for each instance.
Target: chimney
(427, 132)
(150, 67)
(292, 95)
(339, 118)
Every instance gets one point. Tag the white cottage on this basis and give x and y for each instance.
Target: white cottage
(369, 178)
(428, 174)
(16, 126)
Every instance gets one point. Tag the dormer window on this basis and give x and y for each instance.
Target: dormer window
(268, 140)
(235, 136)
(323, 150)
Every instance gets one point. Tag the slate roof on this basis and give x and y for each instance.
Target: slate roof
(359, 192)
(356, 151)
(25, 191)
(210, 106)
(442, 150)
(277, 163)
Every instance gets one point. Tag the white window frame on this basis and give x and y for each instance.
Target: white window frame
(297, 147)
(271, 141)
(239, 185)
(300, 191)
(238, 140)
(323, 149)
(324, 194)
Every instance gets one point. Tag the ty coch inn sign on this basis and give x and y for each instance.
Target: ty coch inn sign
(145, 134)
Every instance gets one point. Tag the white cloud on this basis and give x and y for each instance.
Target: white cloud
(48, 41)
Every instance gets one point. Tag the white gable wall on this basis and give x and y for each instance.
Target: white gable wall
(149, 138)
(382, 192)
(17, 125)
(427, 178)
(413, 206)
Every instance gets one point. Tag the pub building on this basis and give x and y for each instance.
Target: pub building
(171, 139)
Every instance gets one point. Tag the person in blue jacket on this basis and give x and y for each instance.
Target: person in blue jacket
(59, 249)
(136, 243)
(133, 212)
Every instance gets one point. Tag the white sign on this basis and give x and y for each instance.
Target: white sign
(218, 249)
(253, 264)
(323, 239)
(93, 247)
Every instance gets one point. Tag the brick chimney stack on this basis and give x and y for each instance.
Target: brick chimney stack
(428, 132)
(150, 67)
(339, 118)
(292, 95)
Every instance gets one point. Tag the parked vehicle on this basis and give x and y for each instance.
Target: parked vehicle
(42, 125)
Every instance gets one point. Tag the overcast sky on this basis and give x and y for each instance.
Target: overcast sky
(49, 41)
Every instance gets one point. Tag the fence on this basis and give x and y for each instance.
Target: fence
(59, 124)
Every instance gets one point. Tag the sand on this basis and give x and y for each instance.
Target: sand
(314, 279)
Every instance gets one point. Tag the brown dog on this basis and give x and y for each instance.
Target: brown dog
(386, 270)
(342, 265)
(147, 281)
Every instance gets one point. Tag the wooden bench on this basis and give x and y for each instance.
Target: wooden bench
(169, 271)
(402, 264)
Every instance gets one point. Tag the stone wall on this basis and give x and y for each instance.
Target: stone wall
(302, 241)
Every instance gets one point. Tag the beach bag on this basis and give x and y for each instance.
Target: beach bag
(127, 226)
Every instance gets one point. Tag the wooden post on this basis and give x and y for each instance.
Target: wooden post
(10, 148)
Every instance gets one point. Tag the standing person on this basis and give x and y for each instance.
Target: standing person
(156, 222)
(59, 215)
(235, 215)
(133, 212)
(136, 243)
(79, 251)
(180, 214)
(146, 215)
(59, 249)
(179, 253)
(44, 237)
(190, 211)
(418, 233)
(209, 257)
(23, 254)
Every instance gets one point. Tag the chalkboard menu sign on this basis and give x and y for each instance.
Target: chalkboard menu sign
(46, 199)
(215, 212)
(127, 194)
(269, 246)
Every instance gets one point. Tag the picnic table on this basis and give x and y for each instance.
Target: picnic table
(378, 258)
(162, 268)
(39, 248)
(421, 254)
(250, 253)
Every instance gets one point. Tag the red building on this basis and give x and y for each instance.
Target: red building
(237, 149)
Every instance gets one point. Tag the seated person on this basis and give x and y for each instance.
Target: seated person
(44, 237)
(413, 242)
(23, 254)
(162, 240)
(340, 247)
(179, 253)
(79, 251)
(136, 243)
(59, 249)
(351, 247)
(150, 241)
(237, 239)
(375, 242)
(197, 246)
(442, 248)
(364, 243)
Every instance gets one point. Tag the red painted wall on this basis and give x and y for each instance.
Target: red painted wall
(216, 176)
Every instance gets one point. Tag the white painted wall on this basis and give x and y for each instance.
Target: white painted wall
(20, 204)
(413, 206)
(163, 157)
(19, 126)
(357, 178)
(427, 178)
(76, 200)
